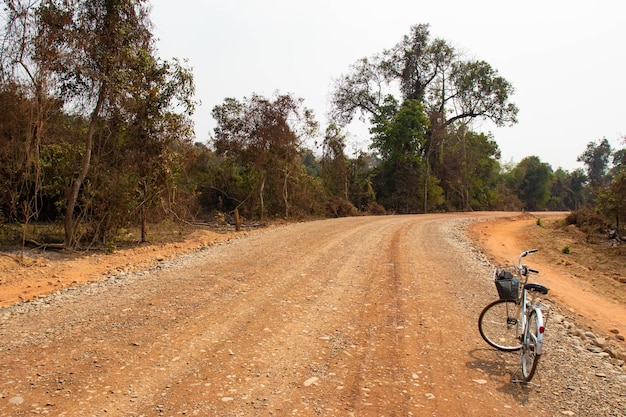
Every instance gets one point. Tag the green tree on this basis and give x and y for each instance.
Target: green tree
(596, 159)
(430, 71)
(360, 184)
(399, 137)
(468, 167)
(567, 190)
(530, 181)
(611, 200)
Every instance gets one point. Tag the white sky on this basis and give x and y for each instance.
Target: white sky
(565, 59)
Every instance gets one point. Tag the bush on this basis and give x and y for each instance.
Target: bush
(340, 207)
(587, 220)
(376, 209)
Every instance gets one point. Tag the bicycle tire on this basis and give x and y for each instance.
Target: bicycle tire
(530, 357)
(499, 327)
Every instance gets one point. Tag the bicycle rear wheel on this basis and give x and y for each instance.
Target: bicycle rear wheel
(530, 357)
(499, 324)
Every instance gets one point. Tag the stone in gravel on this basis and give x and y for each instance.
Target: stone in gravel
(590, 335)
(614, 331)
(311, 381)
(621, 355)
(594, 349)
(479, 381)
(568, 413)
(16, 401)
(600, 342)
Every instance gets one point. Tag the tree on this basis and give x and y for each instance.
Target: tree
(399, 137)
(611, 200)
(333, 163)
(596, 158)
(430, 71)
(265, 136)
(26, 73)
(530, 181)
(360, 181)
(97, 48)
(468, 167)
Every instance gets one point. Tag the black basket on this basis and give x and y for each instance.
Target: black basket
(506, 284)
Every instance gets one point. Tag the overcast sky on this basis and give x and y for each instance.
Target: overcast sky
(565, 59)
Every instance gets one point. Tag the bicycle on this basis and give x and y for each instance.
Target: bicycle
(515, 322)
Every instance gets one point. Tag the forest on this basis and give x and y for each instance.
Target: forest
(96, 137)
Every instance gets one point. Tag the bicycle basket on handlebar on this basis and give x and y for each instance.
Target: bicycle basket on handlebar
(507, 283)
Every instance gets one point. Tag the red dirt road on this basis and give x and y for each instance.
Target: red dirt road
(367, 316)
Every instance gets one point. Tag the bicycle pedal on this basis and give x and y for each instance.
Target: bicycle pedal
(521, 381)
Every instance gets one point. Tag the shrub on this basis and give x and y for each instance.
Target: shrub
(376, 209)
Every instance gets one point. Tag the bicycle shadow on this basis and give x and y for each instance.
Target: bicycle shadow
(503, 368)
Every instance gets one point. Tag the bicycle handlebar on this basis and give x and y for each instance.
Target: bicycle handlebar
(528, 252)
(523, 268)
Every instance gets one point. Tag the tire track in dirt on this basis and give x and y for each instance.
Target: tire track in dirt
(360, 316)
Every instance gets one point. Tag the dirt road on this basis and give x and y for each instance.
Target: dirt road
(370, 316)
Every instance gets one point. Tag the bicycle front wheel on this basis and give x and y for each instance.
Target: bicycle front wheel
(500, 325)
(530, 357)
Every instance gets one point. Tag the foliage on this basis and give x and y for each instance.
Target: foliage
(399, 137)
(263, 137)
(95, 135)
(430, 72)
(530, 180)
(102, 145)
(596, 158)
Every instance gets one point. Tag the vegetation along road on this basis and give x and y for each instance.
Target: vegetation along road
(361, 316)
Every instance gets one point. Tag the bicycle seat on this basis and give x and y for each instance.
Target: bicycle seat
(531, 286)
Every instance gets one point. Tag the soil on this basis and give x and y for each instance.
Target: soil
(371, 316)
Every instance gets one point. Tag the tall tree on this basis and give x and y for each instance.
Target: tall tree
(468, 167)
(596, 158)
(333, 163)
(25, 71)
(399, 136)
(530, 181)
(101, 53)
(432, 72)
(264, 136)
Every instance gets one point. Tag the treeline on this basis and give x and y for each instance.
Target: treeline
(96, 135)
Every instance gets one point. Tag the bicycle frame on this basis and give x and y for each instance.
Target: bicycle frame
(527, 307)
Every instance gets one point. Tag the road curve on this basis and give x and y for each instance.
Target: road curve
(365, 316)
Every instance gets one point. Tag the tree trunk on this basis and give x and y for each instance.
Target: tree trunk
(261, 188)
(237, 220)
(286, 195)
(72, 194)
(144, 227)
